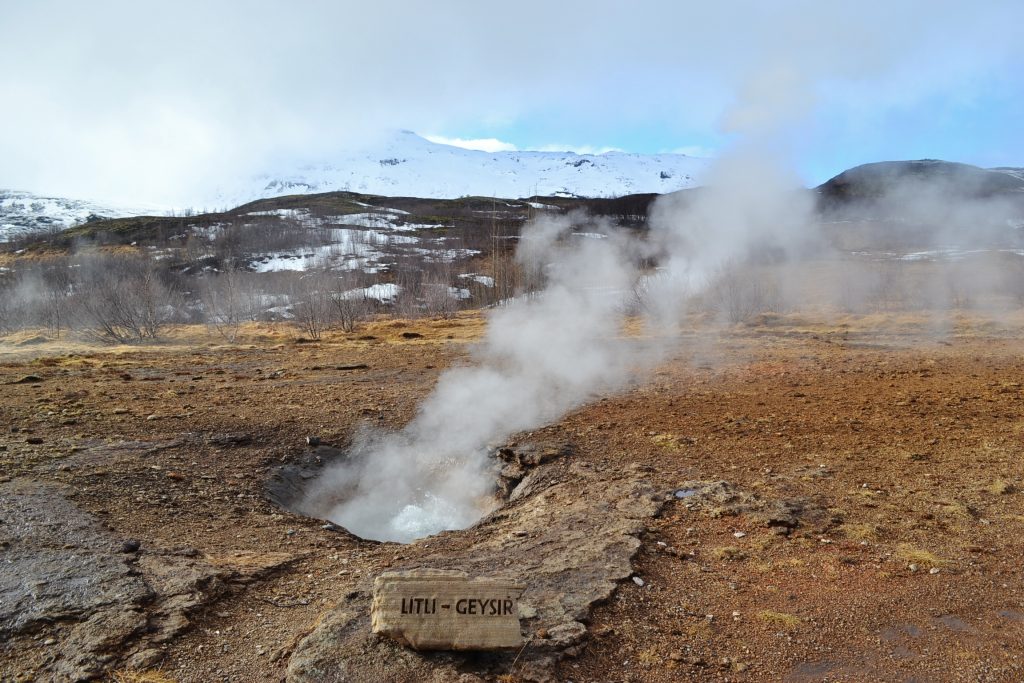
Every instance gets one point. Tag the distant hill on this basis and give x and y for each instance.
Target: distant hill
(874, 181)
(24, 212)
(923, 204)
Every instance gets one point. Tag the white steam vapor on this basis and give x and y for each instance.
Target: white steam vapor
(542, 355)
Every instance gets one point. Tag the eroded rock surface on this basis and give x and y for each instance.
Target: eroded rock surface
(568, 534)
(91, 598)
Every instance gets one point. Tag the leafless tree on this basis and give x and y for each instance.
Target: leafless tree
(223, 303)
(351, 304)
(313, 303)
(122, 299)
(741, 291)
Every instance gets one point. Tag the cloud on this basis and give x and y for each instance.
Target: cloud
(136, 100)
(479, 144)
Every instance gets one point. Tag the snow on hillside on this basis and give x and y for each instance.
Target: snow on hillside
(408, 165)
(24, 212)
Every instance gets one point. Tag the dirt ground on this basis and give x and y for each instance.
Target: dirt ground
(862, 518)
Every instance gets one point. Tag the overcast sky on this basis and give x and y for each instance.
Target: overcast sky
(153, 101)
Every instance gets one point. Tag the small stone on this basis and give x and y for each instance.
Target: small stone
(739, 534)
(131, 546)
(49, 641)
(34, 440)
(638, 581)
(933, 570)
(150, 418)
(313, 441)
(912, 567)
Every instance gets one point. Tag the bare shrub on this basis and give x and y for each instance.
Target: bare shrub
(224, 304)
(350, 302)
(123, 299)
(58, 286)
(8, 318)
(313, 306)
(741, 292)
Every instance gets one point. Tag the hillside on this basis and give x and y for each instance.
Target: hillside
(404, 165)
(23, 213)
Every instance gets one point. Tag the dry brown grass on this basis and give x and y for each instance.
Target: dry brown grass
(914, 555)
(779, 619)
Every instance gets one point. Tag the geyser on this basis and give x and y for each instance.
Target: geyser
(542, 355)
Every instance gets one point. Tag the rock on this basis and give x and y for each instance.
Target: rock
(34, 440)
(566, 635)
(131, 545)
(739, 534)
(411, 335)
(933, 570)
(313, 441)
(571, 530)
(230, 439)
(144, 659)
(28, 379)
(433, 609)
(62, 566)
(638, 581)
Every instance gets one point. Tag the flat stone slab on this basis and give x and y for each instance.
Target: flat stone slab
(569, 532)
(436, 609)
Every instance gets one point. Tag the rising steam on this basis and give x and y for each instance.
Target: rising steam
(542, 355)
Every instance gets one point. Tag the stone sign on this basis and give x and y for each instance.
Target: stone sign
(436, 609)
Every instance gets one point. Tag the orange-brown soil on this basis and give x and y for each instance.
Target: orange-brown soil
(896, 451)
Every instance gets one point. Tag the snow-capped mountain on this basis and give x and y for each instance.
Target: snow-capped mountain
(24, 212)
(404, 164)
(408, 165)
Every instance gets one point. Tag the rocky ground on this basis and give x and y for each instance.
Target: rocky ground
(785, 501)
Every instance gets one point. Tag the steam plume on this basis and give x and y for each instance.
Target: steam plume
(542, 355)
